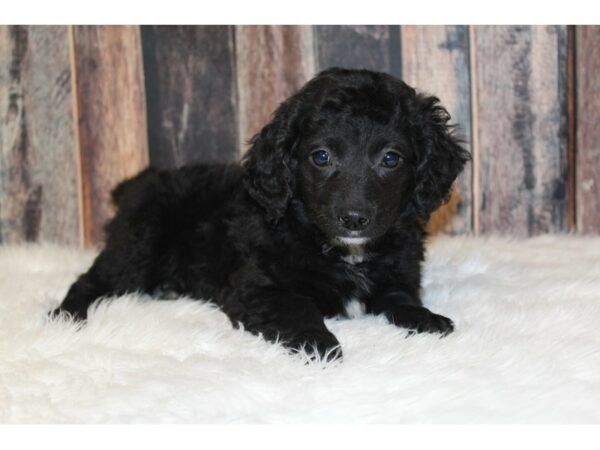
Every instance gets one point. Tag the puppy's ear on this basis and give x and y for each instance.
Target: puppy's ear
(442, 156)
(268, 177)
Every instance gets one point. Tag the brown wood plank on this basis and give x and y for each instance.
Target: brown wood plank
(272, 63)
(190, 94)
(112, 116)
(435, 60)
(522, 128)
(588, 131)
(39, 184)
(374, 47)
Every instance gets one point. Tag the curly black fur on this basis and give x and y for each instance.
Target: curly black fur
(280, 242)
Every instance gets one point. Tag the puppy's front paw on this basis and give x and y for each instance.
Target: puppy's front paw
(78, 314)
(421, 320)
(316, 342)
(436, 323)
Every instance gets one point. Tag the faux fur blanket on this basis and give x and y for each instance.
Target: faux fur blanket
(526, 348)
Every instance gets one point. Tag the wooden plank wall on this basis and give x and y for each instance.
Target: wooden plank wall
(83, 107)
(447, 50)
(39, 175)
(111, 108)
(374, 47)
(190, 94)
(588, 132)
(265, 78)
(522, 128)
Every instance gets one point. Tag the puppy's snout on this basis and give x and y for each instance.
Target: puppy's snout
(354, 220)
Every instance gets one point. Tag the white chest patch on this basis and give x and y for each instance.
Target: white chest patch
(354, 308)
(353, 259)
(355, 247)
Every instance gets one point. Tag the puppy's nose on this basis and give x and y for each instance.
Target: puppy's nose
(354, 220)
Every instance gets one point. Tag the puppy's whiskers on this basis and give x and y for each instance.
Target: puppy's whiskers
(326, 249)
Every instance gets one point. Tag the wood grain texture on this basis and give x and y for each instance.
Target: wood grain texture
(522, 128)
(39, 168)
(374, 47)
(435, 60)
(190, 94)
(112, 116)
(272, 63)
(572, 127)
(588, 131)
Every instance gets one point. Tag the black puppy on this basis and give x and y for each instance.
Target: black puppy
(329, 205)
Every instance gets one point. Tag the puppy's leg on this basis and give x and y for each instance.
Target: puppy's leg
(406, 311)
(129, 261)
(112, 273)
(88, 287)
(293, 320)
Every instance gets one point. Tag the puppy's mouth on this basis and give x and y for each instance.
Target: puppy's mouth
(352, 240)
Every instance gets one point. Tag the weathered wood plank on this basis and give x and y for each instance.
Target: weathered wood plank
(272, 63)
(39, 184)
(572, 127)
(112, 116)
(190, 94)
(435, 60)
(588, 131)
(374, 47)
(522, 128)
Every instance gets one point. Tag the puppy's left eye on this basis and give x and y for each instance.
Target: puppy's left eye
(391, 160)
(321, 157)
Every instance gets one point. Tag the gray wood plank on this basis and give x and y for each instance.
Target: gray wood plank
(374, 47)
(39, 168)
(522, 129)
(191, 94)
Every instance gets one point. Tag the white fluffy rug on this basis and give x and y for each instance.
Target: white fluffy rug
(526, 348)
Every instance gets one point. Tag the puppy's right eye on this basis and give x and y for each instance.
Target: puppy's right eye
(321, 157)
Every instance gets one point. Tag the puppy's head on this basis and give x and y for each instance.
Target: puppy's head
(353, 150)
